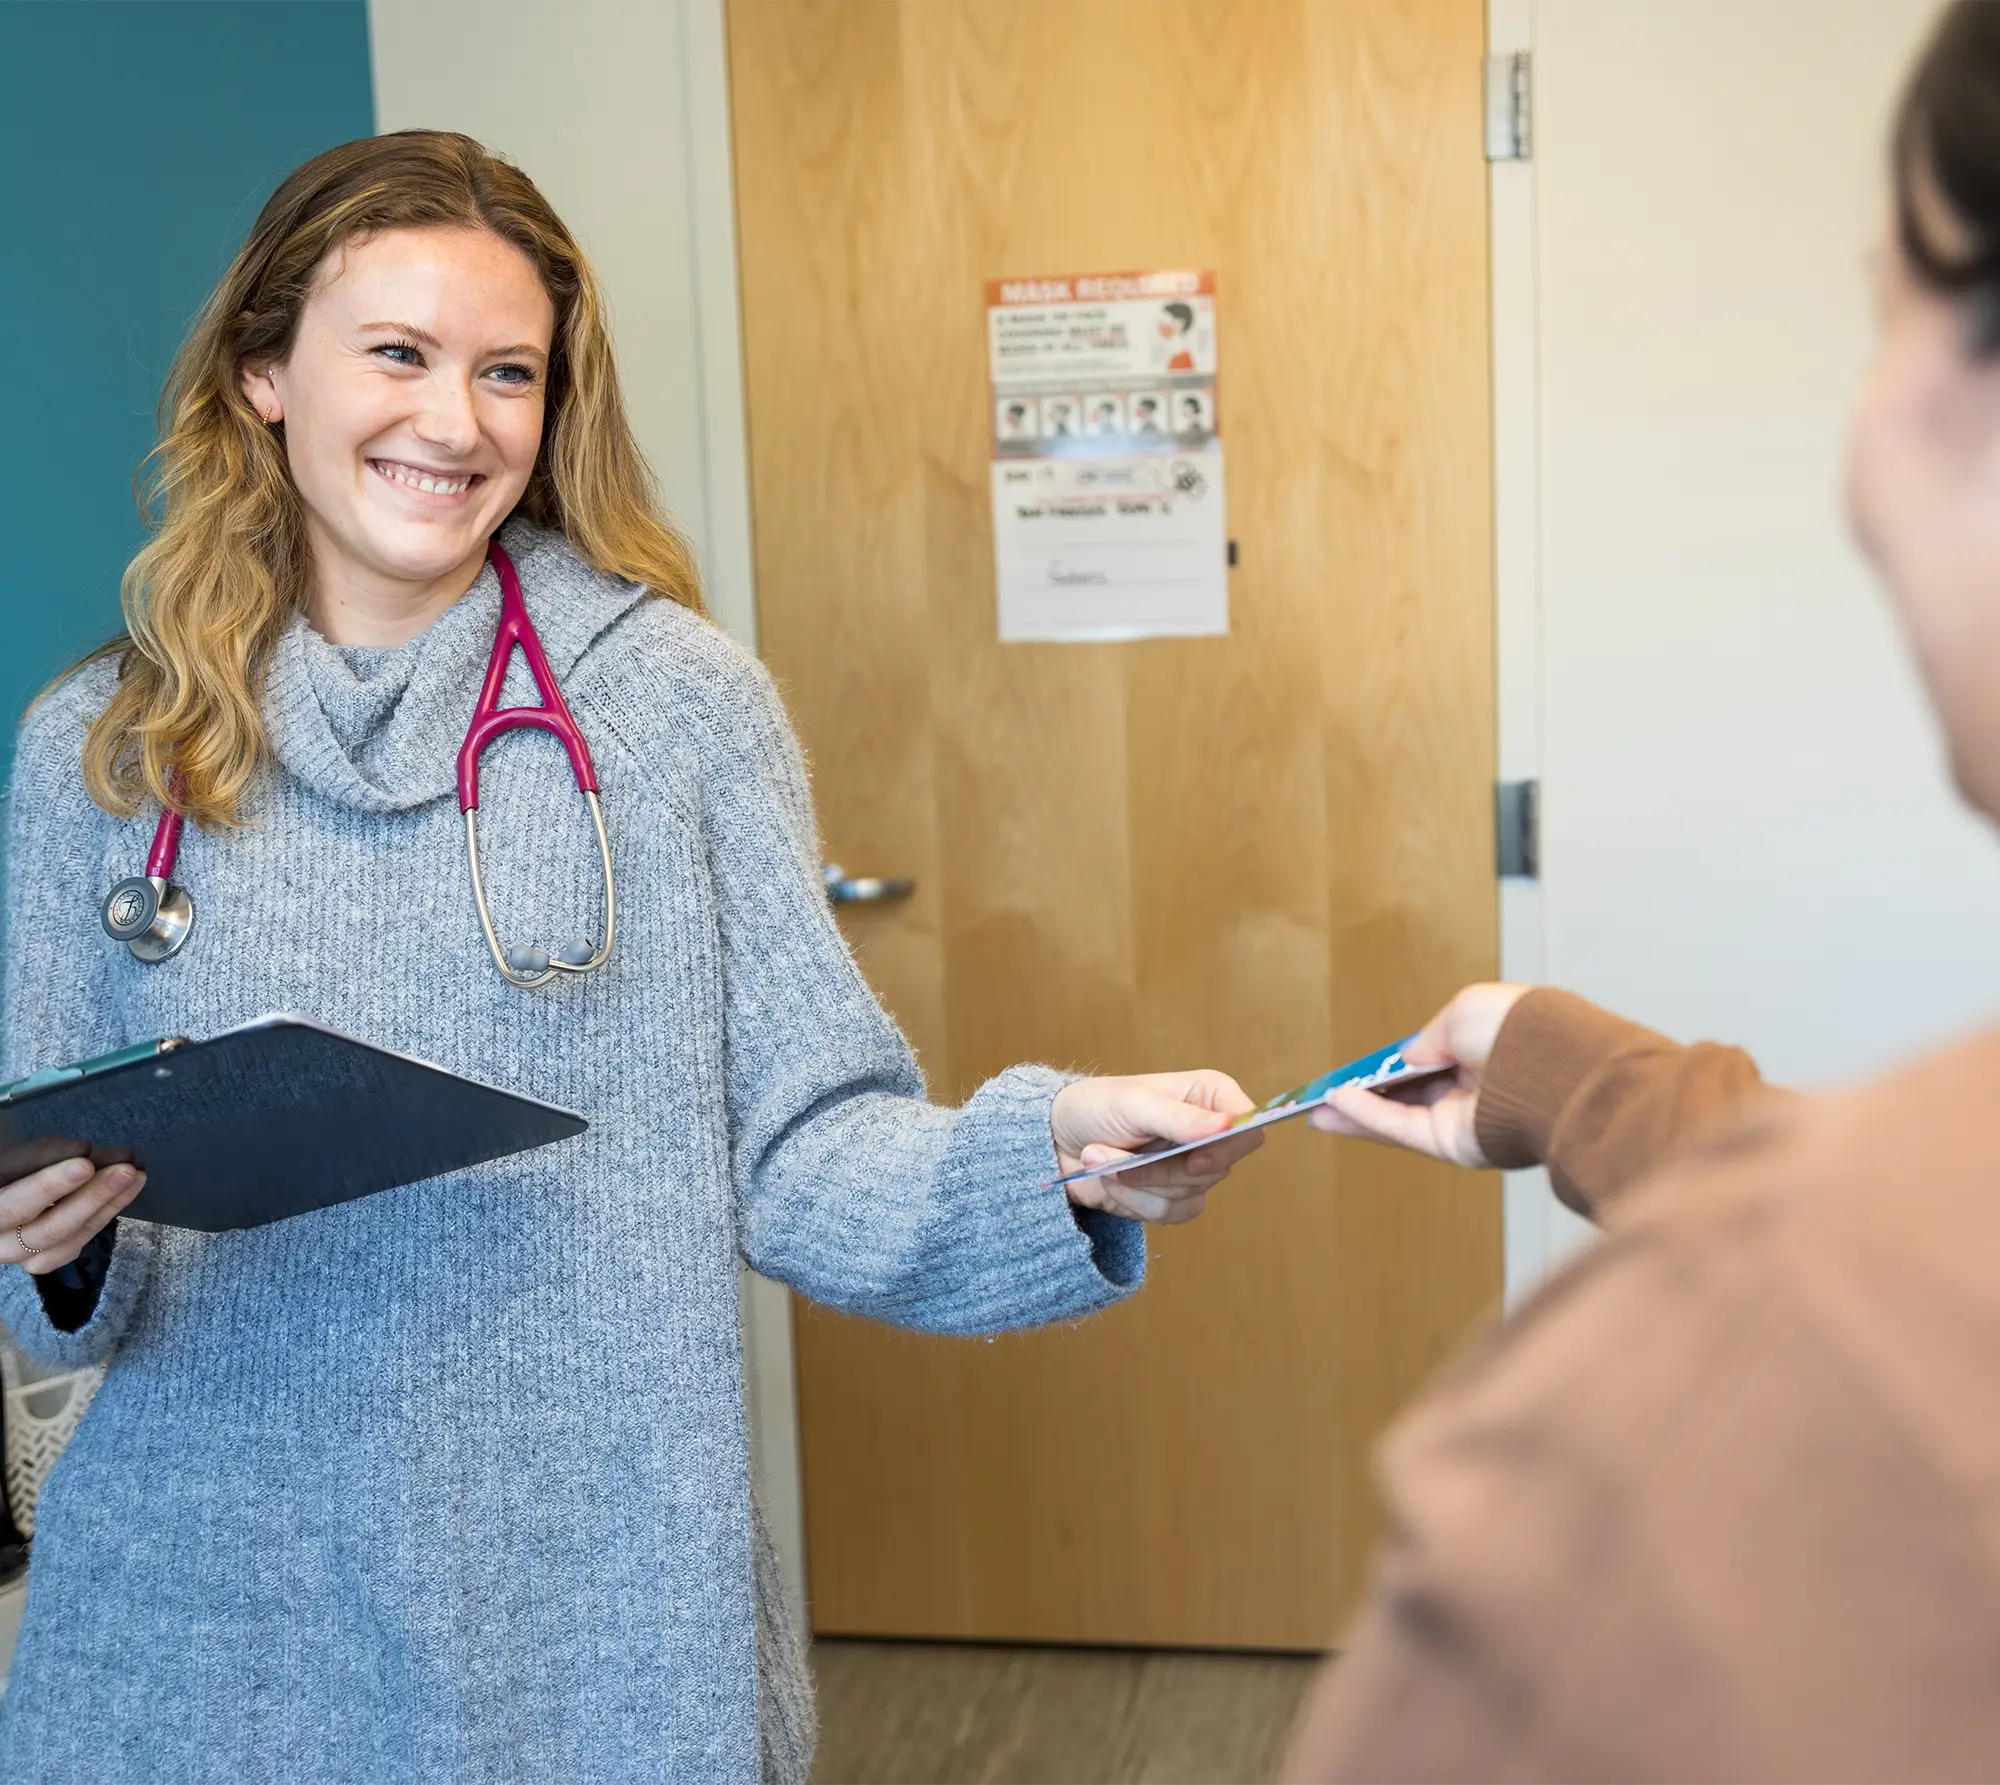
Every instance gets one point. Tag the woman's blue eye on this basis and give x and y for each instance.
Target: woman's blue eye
(407, 353)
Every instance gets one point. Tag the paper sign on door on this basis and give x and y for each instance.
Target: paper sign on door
(1107, 457)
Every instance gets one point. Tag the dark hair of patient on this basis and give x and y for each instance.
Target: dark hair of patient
(1947, 147)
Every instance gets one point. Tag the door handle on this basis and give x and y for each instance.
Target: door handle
(861, 890)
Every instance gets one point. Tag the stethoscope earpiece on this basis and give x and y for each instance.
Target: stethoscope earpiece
(526, 960)
(149, 914)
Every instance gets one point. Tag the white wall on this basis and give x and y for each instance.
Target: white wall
(1747, 830)
(619, 111)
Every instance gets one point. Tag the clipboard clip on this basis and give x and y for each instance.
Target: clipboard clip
(83, 1069)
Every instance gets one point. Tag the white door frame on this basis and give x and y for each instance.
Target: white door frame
(1538, 1231)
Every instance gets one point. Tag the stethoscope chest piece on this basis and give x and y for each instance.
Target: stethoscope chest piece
(149, 914)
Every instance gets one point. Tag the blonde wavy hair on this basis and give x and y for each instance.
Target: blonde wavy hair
(227, 562)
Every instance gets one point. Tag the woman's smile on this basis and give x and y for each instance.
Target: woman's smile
(425, 483)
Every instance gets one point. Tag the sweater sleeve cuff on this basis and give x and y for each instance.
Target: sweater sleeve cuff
(1110, 1261)
(1117, 1242)
(1549, 1044)
(1065, 1262)
(24, 1313)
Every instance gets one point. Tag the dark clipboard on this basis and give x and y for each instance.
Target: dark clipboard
(273, 1119)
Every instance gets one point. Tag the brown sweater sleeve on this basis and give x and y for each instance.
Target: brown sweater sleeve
(1600, 1101)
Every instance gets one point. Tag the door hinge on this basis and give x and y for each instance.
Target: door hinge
(1517, 824)
(1509, 107)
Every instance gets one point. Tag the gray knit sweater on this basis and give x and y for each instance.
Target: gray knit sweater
(451, 1483)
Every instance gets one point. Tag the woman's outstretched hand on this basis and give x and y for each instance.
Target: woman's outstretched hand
(1097, 1120)
(1436, 1116)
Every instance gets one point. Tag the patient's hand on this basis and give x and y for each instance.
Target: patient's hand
(1097, 1120)
(1436, 1115)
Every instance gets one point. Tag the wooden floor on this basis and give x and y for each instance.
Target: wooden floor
(894, 1713)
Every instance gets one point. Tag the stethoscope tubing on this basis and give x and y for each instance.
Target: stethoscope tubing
(153, 917)
(160, 859)
(490, 719)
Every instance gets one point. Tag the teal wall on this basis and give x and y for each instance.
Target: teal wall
(137, 139)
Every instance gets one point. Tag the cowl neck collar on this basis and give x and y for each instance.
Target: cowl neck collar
(379, 730)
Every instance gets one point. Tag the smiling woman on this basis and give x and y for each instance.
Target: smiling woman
(451, 1482)
(404, 227)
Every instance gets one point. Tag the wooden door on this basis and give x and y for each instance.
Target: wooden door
(1267, 852)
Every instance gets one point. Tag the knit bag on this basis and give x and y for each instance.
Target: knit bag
(44, 1408)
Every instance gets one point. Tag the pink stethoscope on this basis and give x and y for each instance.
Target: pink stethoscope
(152, 916)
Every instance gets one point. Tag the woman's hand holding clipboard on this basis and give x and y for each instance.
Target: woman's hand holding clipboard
(56, 1196)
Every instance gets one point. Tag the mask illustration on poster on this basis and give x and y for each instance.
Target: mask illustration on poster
(1107, 457)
